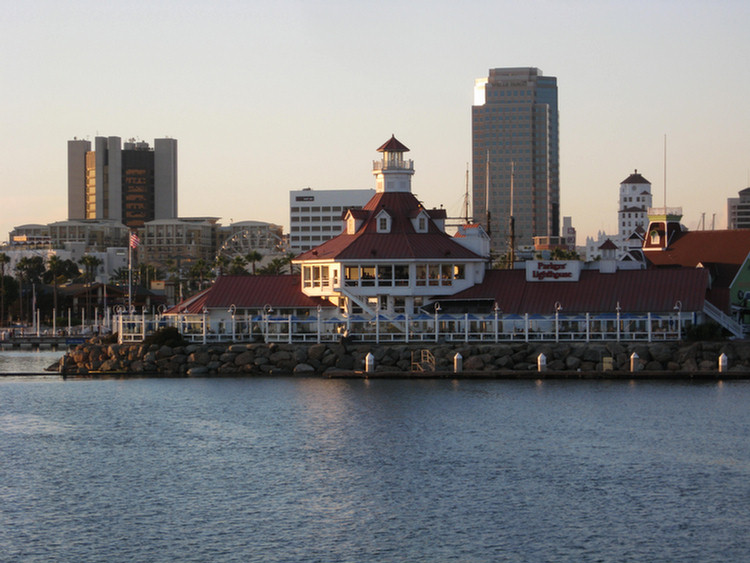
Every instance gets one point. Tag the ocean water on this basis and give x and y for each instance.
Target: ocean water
(303, 469)
(27, 361)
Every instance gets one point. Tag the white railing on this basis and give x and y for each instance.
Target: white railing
(723, 319)
(493, 327)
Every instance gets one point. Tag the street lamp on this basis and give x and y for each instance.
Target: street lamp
(496, 309)
(558, 308)
(205, 312)
(318, 321)
(267, 310)
(678, 308)
(617, 308)
(232, 311)
(437, 328)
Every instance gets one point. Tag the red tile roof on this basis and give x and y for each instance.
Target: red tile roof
(636, 291)
(393, 145)
(690, 248)
(251, 292)
(401, 243)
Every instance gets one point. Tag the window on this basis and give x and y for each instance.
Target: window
(383, 224)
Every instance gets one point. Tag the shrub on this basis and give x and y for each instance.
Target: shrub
(168, 336)
(705, 331)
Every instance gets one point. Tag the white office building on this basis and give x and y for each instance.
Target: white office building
(315, 216)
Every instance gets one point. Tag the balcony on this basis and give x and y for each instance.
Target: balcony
(378, 165)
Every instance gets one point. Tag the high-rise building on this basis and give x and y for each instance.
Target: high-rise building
(515, 156)
(738, 210)
(131, 182)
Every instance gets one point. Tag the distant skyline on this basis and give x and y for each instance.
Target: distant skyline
(268, 97)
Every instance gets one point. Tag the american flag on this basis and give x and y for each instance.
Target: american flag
(134, 240)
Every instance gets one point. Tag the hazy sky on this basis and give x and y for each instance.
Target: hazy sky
(267, 97)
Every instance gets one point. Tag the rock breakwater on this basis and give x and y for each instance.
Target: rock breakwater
(337, 359)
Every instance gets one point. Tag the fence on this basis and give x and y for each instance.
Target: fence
(494, 327)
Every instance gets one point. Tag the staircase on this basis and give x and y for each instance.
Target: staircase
(723, 319)
(422, 360)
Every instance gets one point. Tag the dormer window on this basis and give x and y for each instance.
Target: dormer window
(422, 224)
(384, 222)
(351, 226)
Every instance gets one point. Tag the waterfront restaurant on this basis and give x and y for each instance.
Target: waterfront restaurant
(395, 275)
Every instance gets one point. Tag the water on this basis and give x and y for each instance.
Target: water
(27, 361)
(297, 469)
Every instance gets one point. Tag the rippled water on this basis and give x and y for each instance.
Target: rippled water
(27, 361)
(349, 470)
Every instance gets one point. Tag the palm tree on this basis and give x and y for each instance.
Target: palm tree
(90, 264)
(3, 261)
(221, 264)
(200, 270)
(54, 267)
(29, 269)
(237, 267)
(252, 257)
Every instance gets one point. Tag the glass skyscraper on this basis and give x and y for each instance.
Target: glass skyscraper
(516, 156)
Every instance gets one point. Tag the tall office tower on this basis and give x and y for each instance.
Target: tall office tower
(131, 182)
(515, 156)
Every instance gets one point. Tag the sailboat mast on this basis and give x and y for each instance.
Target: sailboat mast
(487, 195)
(512, 222)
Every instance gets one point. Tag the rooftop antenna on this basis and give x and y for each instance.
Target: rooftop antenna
(487, 194)
(466, 196)
(512, 221)
(665, 172)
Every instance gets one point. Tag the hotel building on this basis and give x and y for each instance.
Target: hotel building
(131, 183)
(515, 156)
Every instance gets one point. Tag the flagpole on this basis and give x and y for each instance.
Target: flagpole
(130, 274)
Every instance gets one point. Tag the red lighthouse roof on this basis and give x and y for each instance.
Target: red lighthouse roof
(393, 145)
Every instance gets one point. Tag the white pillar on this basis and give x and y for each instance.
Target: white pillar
(541, 362)
(634, 363)
(723, 363)
(458, 363)
(369, 363)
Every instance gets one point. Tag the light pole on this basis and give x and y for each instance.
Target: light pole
(205, 312)
(232, 311)
(437, 326)
(678, 308)
(267, 310)
(618, 320)
(496, 308)
(318, 321)
(558, 308)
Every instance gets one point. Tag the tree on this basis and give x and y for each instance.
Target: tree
(58, 272)
(237, 266)
(30, 270)
(199, 271)
(3, 261)
(252, 258)
(90, 264)
(221, 263)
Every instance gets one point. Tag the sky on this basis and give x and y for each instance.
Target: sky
(270, 96)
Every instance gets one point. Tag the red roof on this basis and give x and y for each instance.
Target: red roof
(635, 178)
(637, 291)
(251, 292)
(402, 242)
(690, 248)
(393, 145)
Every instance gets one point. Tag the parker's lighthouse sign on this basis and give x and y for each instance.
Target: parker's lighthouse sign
(553, 270)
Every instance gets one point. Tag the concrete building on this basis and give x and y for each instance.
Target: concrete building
(131, 182)
(180, 241)
(738, 210)
(315, 216)
(515, 156)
